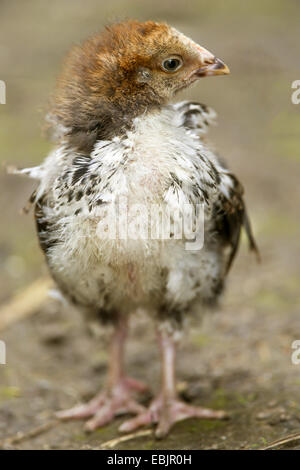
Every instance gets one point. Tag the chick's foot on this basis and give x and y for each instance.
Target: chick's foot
(166, 413)
(114, 401)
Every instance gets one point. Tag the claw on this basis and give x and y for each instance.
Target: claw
(82, 411)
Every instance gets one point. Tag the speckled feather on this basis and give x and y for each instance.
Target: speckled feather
(122, 138)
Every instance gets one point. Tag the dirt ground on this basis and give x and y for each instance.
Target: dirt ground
(239, 357)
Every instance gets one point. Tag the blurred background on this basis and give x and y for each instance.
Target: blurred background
(247, 344)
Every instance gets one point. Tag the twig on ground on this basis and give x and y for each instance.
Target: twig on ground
(282, 441)
(24, 303)
(113, 442)
(23, 436)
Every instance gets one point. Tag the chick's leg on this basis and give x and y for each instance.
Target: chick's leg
(118, 394)
(167, 409)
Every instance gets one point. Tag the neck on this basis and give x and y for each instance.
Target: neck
(86, 124)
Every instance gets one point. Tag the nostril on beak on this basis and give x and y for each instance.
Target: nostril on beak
(209, 60)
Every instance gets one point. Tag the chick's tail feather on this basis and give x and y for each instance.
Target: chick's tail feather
(251, 240)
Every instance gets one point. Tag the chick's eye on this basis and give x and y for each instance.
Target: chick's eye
(172, 64)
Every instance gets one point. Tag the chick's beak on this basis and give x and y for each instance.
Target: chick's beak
(209, 65)
(217, 67)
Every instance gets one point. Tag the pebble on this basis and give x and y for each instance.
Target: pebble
(262, 415)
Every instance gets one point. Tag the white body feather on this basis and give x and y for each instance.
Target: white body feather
(102, 274)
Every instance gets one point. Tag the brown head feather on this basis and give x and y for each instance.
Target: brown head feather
(117, 75)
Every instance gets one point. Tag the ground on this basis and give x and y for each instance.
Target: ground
(239, 357)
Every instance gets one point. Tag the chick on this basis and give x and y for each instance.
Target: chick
(120, 143)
